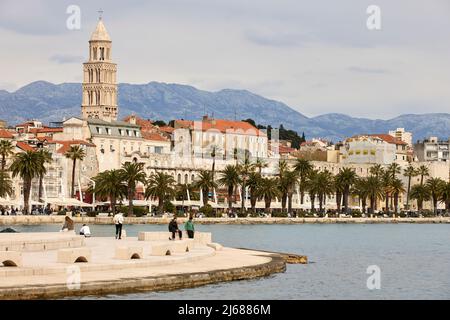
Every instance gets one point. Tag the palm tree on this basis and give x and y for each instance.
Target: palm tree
(376, 170)
(27, 166)
(386, 179)
(254, 184)
(75, 153)
(423, 171)
(290, 180)
(230, 179)
(303, 167)
(394, 169)
(360, 189)
(346, 178)
(445, 196)
(374, 189)
(268, 190)
(244, 170)
(6, 150)
(110, 184)
(396, 188)
(132, 174)
(182, 192)
(339, 189)
(205, 182)
(435, 187)
(282, 171)
(46, 157)
(260, 164)
(324, 187)
(421, 194)
(6, 186)
(160, 185)
(311, 187)
(409, 172)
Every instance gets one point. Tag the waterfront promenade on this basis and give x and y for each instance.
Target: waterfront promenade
(40, 220)
(41, 273)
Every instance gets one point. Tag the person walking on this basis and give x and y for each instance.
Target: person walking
(173, 228)
(189, 227)
(118, 221)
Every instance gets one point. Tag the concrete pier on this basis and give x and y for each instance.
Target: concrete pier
(110, 267)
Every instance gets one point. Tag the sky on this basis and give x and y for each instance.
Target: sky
(316, 56)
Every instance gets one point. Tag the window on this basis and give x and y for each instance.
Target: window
(99, 130)
(108, 131)
(158, 150)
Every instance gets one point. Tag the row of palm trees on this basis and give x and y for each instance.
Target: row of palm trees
(28, 166)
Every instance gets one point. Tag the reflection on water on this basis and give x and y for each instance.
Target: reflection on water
(414, 261)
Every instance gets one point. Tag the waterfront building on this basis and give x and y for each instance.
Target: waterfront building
(402, 135)
(432, 149)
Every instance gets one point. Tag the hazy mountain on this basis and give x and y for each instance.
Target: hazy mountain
(49, 102)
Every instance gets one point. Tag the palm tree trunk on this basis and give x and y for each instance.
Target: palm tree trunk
(407, 194)
(364, 204)
(230, 198)
(130, 201)
(313, 198)
(396, 203)
(41, 188)
(338, 201)
(205, 197)
(253, 200)
(161, 205)
(113, 204)
(346, 192)
(320, 203)
(387, 203)
(283, 202)
(26, 195)
(267, 202)
(290, 202)
(244, 185)
(73, 177)
(420, 205)
(3, 162)
(435, 203)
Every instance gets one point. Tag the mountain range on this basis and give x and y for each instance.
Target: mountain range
(160, 101)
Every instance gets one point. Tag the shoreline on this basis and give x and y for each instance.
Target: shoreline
(168, 282)
(43, 220)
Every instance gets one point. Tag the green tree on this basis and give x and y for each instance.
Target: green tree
(394, 169)
(254, 184)
(27, 166)
(445, 195)
(290, 181)
(205, 182)
(386, 179)
(396, 188)
(423, 171)
(374, 189)
(230, 179)
(346, 178)
(268, 190)
(245, 168)
(6, 186)
(324, 187)
(303, 167)
(420, 193)
(161, 186)
(361, 190)
(132, 174)
(435, 187)
(46, 158)
(110, 184)
(409, 172)
(75, 153)
(6, 150)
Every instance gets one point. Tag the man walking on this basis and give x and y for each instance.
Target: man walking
(173, 228)
(118, 221)
(189, 227)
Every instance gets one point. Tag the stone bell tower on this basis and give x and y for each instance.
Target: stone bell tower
(99, 82)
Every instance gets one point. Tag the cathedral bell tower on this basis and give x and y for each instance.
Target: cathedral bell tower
(99, 81)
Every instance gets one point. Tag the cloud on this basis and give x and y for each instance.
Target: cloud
(367, 70)
(66, 58)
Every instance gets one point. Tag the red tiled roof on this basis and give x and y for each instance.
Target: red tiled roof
(24, 146)
(388, 138)
(153, 136)
(284, 149)
(167, 129)
(46, 130)
(144, 124)
(223, 126)
(67, 144)
(5, 134)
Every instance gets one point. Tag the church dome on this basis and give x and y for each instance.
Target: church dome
(100, 33)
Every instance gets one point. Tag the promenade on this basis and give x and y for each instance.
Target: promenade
(41, 273)
(40, 220)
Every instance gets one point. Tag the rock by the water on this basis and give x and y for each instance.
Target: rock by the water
(8, 230)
